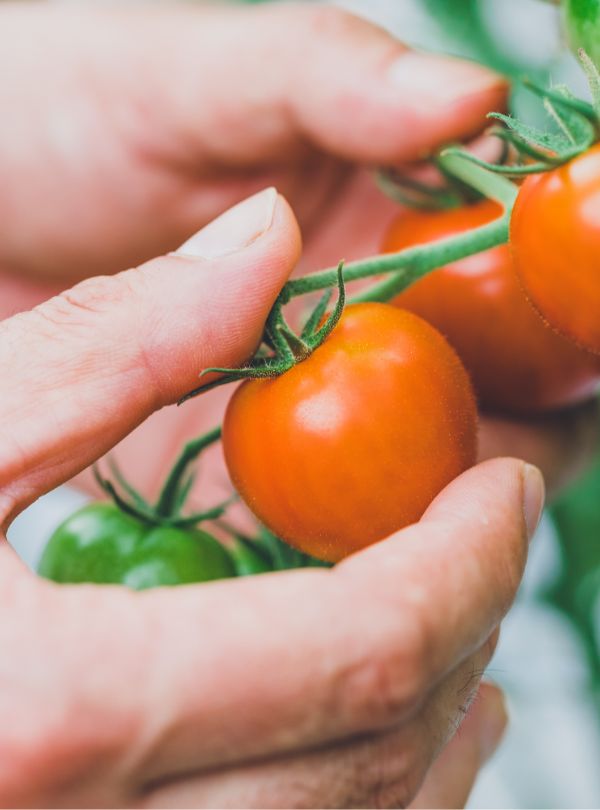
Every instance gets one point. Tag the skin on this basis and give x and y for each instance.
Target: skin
(518, 365)
(555, 237)
(154, 708)
(314, 450)
(384, 685)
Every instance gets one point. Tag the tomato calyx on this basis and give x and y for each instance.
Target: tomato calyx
(281, 347)
(448, 193)
(265, 552)
(576, 126)
(167, 511)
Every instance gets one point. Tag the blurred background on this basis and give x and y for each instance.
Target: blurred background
(548, 659)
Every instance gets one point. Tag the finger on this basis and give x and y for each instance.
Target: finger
(361, 95)
(104, 355)
(383, 770)
(562, 445)
(157, 148)
(452, 777)
(362, 646)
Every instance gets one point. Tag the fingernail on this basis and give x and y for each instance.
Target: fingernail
(436, 80)
(534, 495)
(235, 229)
(495, 722)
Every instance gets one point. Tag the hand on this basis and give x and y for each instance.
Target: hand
(261, 692)
(126, 130)
(130, 129)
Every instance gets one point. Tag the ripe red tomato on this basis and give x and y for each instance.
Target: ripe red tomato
(555, 238)
(516, 362)
(353, 443)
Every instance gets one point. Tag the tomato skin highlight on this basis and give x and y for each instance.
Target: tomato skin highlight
(100, 544)
(555, 240)
(353, 443)
(517, 364)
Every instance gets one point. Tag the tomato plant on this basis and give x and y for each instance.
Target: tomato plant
(102, 544)
(354, 442)
(555, 238)
(516, 362)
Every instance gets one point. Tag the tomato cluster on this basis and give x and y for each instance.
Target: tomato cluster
(517, 363)
(350, 429)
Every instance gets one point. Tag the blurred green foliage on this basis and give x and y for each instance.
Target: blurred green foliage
(576, 589)
(467, 34)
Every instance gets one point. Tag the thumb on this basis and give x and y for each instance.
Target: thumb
(87, 366)
(451, 779)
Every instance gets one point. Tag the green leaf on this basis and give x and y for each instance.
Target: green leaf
(576, 515)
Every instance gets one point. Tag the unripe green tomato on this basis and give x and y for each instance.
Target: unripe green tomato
(582, 20)
(101, 544)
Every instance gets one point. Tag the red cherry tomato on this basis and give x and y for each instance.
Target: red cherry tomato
(516, 362)
(555, 238)
(353, 443)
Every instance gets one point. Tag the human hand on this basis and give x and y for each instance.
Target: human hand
(309, 688)
(140, 125)
(127, 129)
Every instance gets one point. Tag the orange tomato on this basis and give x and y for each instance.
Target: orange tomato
(353, 443)
(517, 364)
(555, 238)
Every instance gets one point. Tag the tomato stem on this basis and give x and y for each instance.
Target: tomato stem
(168, 497)
(418, 262)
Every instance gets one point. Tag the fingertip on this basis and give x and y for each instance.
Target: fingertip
(489, 715)
(495, 486)
(402, 104)
(445, 97)
(438, 81)
(534, 496)
(221, 284)
(501, 482)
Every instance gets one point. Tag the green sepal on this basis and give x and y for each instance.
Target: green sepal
(291, 349)
(593, 77)
(411, 193)
(323, 333)
(316, 315)
(145, 515)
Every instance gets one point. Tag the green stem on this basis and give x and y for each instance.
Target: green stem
(487, 183)
(409, 265)
(419, 261)
(168, 494)
(412, 262)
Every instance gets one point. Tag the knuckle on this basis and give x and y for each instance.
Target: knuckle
(92, 296)
(385, 681)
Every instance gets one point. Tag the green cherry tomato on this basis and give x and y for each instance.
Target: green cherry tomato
(101, 544)
(582, 20)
